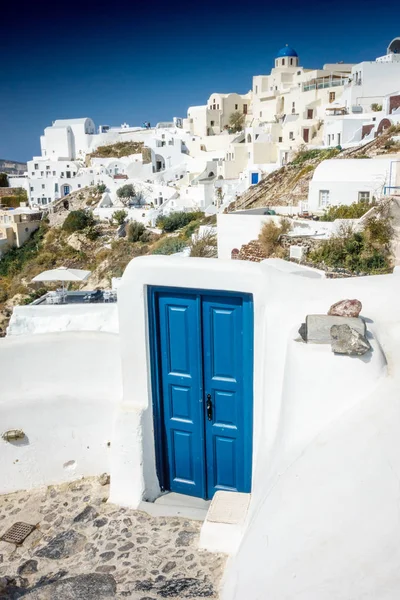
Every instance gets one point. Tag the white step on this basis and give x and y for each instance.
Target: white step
(223, 528)
(177, 505)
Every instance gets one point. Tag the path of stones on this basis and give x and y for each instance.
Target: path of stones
(87, 549)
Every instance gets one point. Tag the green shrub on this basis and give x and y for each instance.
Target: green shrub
(101, 188)
(136, 232)
(92, 233)
(367, 251)
(351, 211)
(78, 220)
(177, 220)
(13, 261)
(304, 155)
(119, 216)
(169, 245)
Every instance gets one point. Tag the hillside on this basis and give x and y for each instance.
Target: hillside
(96, 247)
(289, 185)
(120, 149)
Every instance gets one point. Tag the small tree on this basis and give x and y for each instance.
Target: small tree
(126, 192)
(101, 188)
(236, 122)
(136, 232)
(119, 216)
(3, 180)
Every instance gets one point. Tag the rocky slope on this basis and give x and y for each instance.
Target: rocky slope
(289, 185)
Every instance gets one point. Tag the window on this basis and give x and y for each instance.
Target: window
(43, 186)
(291, 135)
(332, 96)
(36, 166)
(291, 61)
(310, 113)
(33, 172)
(41, 173)
(279, 139)
(56, 187)
(212, 123)
(236, 106)
(338, 139)
(283, 61)
(163, 136)
(260, 113)
(54, 173)
(62, 174)
(363, 196)
(256, 89)
(31, 189)
(329, 139)
(323, 198)
(298, 72)
(257, 134)
(245, 109)
(217, 106)
(47, 167)
(79, 185)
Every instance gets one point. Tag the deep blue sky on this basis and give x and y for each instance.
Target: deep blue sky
(135, 61)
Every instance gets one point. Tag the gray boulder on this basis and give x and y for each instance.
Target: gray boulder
(346, 340)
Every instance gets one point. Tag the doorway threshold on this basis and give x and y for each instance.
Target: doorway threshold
(177, 505)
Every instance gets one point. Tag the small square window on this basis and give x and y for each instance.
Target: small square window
(36, 166)
(212, 123)
(279, 139)
(43, 186)
(363, 196)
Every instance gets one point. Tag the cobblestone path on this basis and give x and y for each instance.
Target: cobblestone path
(86, 549)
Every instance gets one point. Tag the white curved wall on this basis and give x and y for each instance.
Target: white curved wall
(62, 391)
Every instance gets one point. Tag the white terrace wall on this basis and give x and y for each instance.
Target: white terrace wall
(61, 390)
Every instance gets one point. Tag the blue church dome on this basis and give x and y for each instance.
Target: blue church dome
(286, 51)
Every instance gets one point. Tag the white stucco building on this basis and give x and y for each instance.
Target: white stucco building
(321, 448)
(345, 181)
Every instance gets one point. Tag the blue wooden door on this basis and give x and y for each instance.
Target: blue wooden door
(254, 178)
(227, 351)
(202, 349)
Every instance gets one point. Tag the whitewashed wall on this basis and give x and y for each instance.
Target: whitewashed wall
(62, 391)
(34, 319)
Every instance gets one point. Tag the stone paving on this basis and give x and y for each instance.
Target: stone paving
(86, 549)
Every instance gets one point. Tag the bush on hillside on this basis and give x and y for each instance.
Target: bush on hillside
(351, 211)
(366, 251)
(304, 155)
(270, 235)
(119, 216)
(100, 188)
(204, 246)
(177, 220)
(169, 245)
(3, 180)
(78, 220)
(136, 232)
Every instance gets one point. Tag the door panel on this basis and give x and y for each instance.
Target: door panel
(181, 386)
(204, 348)
(229, 431)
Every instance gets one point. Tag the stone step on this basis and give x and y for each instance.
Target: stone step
(177, 505)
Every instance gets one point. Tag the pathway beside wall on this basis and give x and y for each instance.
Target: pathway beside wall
(86, 548)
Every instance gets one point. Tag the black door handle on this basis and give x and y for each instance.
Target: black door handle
(209, 407)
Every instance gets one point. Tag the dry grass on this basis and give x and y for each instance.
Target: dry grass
(270, 235)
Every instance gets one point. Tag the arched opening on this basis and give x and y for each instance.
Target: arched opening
(66, 189)
(384, 124)
(394, 46)
(159, 163)
(211, 174)
(249, 138)
(235, 254)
